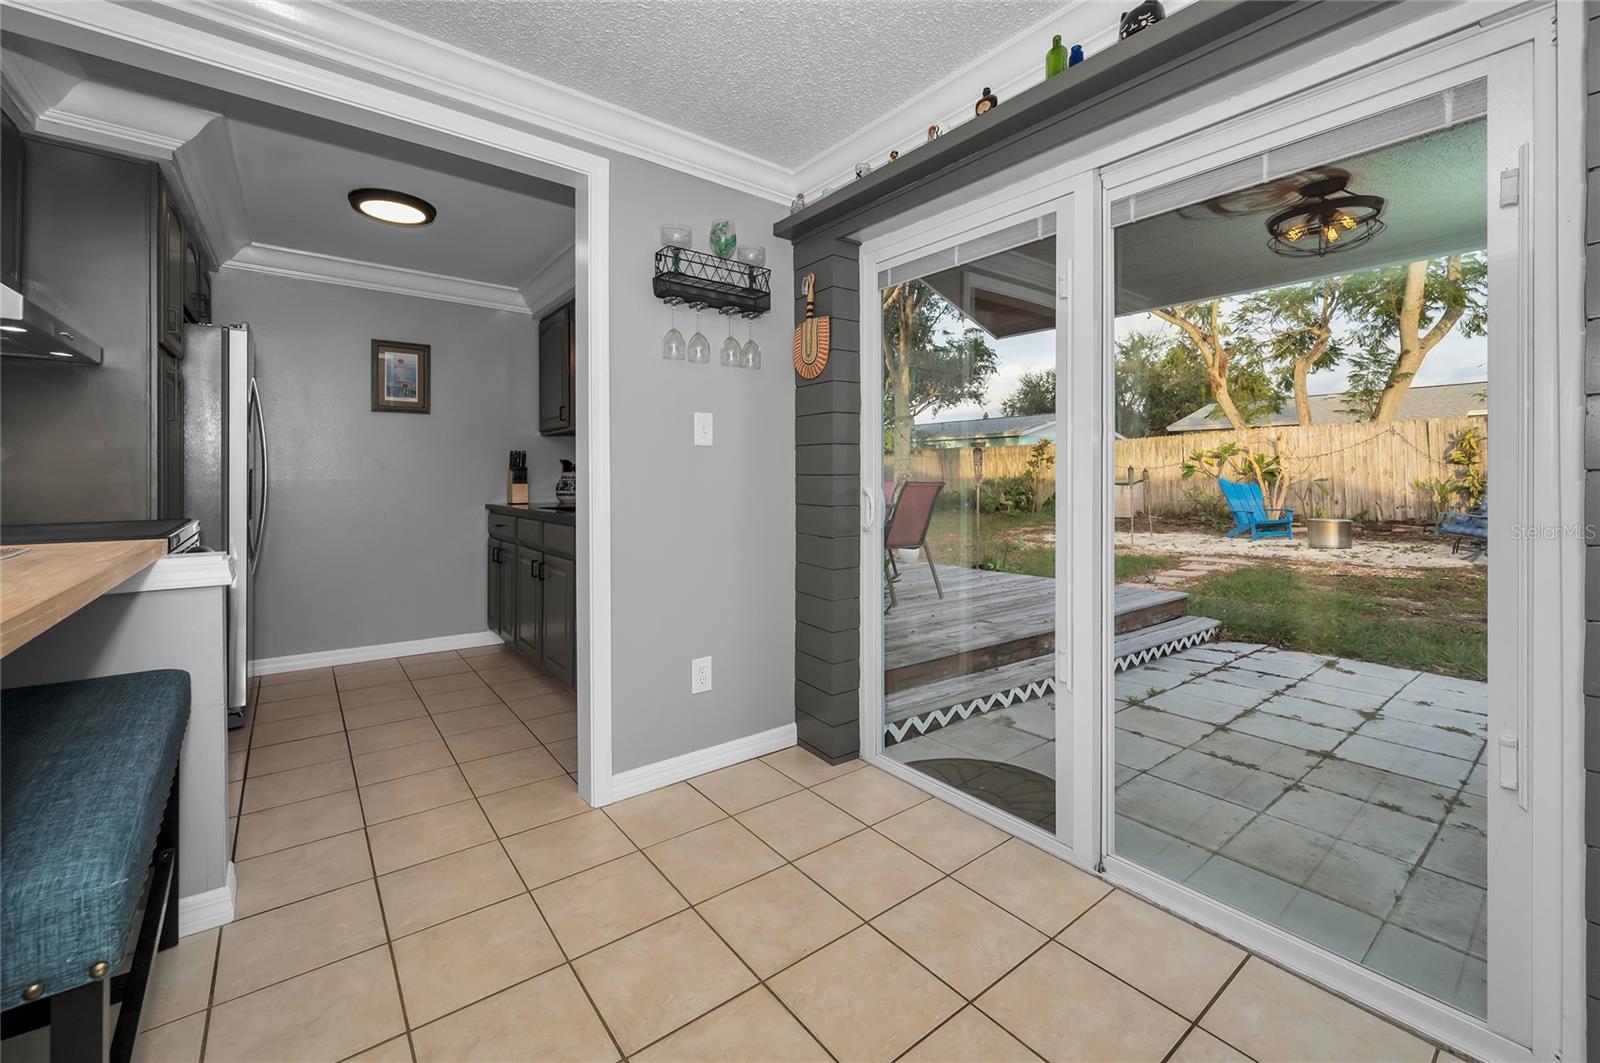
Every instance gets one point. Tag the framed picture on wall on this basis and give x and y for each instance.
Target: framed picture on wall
(400, 377)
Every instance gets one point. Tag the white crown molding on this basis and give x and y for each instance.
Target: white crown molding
(35, 85)
(331, 269)
(205, 173)
(552, 283)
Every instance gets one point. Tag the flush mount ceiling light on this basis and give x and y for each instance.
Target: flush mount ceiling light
(1328, 218)
(391, 207)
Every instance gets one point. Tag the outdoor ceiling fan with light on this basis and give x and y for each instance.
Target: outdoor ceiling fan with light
(1328, 218)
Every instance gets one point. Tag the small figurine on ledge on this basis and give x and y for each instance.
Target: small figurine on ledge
(933, 132)
(1055, 60)
(987, 102)
(893, 155)
(1145, 15)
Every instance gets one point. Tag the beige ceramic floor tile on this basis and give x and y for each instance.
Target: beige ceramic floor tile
(806, 768)
(1180, 965)
(262, 792)
(1065, 1008)
(714, 858)
(300, 676)
(176, 1042)
(296, 824)
(1272, 1015)
(662, 814)
(298, 754)
(777, 919)
(277, 711)
(381, 694)
(557, 728)
(970, 1037)
(453, 964)
(650, 983)
(863, 998)
(423, 895)
(941, 834)
(490, 742)
(296, 938)
(389, 712)
(869, 794)
(437, 832)
(518, 768)
(420, 669)
(525, 807)
(236, 763)
(401, 761)
(339, 1009)
(475, 719)
(413, 793)
(390, 672)
(390, 735)
(525, 688)
(507, 671)
(1033, 885)
(359, 667)
(744, 786)
(298, 689)
(235, 797)
(798, 824)
(180, 983)
(566, 753)
(1201, 1047)
(290, 875)
(753, 1026)
(544, 1018)
(394, 1050)
(448, 701)
(959, 936)
(482, 656)
(868, 872)
(296, 728)
(537, 706)
(566, 847)
(443, 684)
(600, 905)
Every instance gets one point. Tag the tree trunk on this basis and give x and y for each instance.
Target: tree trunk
(903, 416)
(1413, 346)
(1302, 401)
(1213, 354)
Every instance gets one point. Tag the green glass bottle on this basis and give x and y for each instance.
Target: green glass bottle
(1055, 60)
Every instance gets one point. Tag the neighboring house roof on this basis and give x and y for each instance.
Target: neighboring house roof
(1420, 403)
(989, 428)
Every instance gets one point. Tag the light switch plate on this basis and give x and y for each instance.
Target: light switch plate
(702, 429)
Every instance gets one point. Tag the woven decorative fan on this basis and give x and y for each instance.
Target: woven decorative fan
(811, 337)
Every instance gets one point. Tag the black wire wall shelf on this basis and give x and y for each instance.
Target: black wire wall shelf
(705, 282)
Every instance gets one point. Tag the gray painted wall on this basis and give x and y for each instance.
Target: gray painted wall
(1591, 684)
(702, 538)
(376, 532)
(75, 441)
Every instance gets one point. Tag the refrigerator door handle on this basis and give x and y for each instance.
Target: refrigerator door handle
(258, 532)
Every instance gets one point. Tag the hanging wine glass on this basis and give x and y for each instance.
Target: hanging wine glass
(730, 347)
(750, 356)
(673, 347)
(699, 349)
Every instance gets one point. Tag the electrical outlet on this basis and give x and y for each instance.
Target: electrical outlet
(702, 429)
(700, 675)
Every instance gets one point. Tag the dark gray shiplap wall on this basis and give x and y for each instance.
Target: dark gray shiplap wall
(827, 466)
(1591, 683)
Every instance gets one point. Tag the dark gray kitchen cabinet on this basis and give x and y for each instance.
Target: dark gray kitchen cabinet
(169, 448)
(533, 590)
(172, 249)
(196, 287)
(557, 367)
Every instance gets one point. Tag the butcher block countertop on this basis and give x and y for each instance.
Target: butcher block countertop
(51, 581)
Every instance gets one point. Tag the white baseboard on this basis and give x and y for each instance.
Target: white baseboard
(676, 769)
(357, 654)
(202, 911)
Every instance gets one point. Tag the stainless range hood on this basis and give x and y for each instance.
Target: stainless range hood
(29, 331)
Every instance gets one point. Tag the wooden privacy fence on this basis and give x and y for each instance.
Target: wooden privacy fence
(1366, 468)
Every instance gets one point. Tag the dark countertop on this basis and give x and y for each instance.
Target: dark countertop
(545, 511)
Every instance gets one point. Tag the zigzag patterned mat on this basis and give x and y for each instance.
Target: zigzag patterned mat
(934, 719)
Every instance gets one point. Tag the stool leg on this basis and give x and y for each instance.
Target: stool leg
(168, 839)
(80, 1023)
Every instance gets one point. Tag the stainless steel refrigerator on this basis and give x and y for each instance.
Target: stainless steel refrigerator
(225, 482)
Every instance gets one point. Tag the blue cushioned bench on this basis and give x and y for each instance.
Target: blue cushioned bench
(88, 791)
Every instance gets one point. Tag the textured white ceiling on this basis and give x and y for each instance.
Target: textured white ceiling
(782, 80)
(295, 193)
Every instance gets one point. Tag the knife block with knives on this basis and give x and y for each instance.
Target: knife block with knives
(517, 479)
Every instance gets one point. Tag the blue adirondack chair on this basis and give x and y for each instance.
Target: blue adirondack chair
(1250, 512)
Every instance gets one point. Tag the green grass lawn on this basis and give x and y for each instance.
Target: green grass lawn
(1435, 620)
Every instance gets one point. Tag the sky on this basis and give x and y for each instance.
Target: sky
(1457, 359)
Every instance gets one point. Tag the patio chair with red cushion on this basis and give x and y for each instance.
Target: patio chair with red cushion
(907, 525)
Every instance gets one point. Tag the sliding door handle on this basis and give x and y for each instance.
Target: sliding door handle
(868, 511)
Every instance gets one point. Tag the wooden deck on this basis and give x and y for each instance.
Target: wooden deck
(991, 619)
